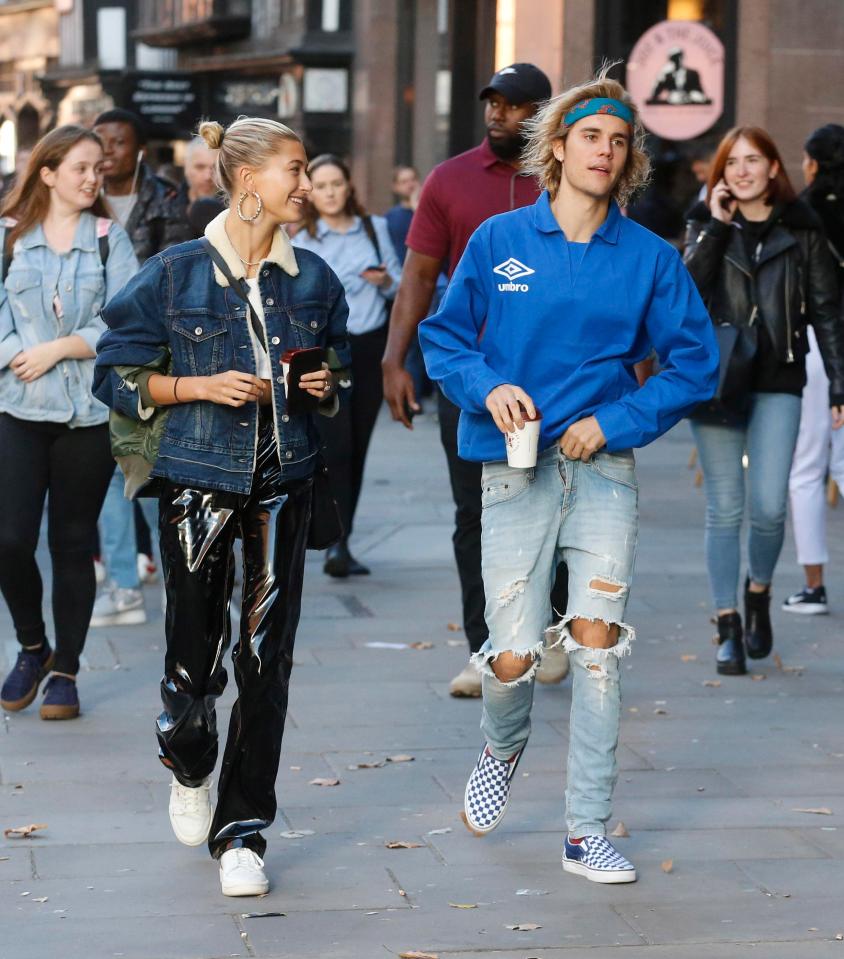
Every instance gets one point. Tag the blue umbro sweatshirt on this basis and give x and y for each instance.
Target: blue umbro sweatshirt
(566, 325)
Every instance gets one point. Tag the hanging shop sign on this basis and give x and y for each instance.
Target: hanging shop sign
(675, 75)
(168, 102)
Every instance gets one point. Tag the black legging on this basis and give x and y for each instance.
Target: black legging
(74, 466)
(346, 436)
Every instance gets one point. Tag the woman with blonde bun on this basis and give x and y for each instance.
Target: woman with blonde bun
(199, 335)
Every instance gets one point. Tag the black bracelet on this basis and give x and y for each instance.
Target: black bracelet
(175, 394)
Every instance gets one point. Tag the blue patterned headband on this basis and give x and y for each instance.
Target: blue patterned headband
(599, 105)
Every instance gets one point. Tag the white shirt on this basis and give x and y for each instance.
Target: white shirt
(122, 206)
(265, 369)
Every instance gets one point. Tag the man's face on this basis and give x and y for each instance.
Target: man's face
(700, 169)
(594, 153)
(406, 183)
(199, 171)
(120, 149)
(504, 125)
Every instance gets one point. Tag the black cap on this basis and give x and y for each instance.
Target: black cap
(519, 83)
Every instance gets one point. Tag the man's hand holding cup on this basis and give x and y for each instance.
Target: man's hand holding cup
(518, 419)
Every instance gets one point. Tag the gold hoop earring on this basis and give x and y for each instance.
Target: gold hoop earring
(258, 200)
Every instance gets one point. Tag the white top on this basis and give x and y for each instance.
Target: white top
(122, 206)
(265, 369)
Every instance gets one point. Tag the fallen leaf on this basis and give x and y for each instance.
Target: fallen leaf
(367, 765)
(41, 899)
(439, 832)
(777, 660)
(324, 782)
(660, 712)
(668, 865)
(421, 644)
(817, 811)
(463, 905)
(714, 683)
(689, 657)
(531, 892)
(296, 833)
(22, 832)
(401, 758)
(418, 955)
(524, 926)
(403, 844)
(402, 892)
(620, 831)
(758, 677)
(454, 628)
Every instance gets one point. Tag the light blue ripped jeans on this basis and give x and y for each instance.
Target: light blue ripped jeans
(587, 515)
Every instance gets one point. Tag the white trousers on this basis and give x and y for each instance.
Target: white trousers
(819, 450)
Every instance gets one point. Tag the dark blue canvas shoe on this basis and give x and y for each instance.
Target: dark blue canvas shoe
(21, 685)
(61, 700)
(596, 858)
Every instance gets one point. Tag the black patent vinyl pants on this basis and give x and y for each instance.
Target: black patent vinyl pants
(198, 529)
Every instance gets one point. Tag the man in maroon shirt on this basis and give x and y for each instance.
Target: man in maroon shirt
(458, 196)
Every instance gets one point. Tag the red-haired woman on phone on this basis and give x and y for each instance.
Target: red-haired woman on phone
(760, 260)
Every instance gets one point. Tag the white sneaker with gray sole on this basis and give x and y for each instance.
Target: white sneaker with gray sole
(119, 607)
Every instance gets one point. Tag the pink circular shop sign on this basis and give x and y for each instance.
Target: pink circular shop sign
(675, 75)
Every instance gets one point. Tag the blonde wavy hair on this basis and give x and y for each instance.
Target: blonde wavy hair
(546, 126)
(249, 141)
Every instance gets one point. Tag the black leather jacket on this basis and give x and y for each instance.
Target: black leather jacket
(793, 282)
(158, 219)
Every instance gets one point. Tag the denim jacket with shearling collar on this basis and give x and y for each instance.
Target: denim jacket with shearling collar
(180, 300)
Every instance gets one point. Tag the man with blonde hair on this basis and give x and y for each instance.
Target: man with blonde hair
(548, 312)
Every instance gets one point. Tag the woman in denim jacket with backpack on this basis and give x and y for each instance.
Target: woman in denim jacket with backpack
(235, 459)
(62, 259)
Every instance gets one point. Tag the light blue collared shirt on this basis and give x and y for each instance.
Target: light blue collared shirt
(349, 254)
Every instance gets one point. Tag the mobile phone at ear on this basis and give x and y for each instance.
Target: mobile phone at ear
(726, 200)
(301, 362)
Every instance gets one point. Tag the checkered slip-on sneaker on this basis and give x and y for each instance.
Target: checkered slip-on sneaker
(596, 858)
(487, 792)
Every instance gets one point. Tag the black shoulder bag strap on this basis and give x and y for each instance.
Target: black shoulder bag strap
(369, 226)
(239, 288)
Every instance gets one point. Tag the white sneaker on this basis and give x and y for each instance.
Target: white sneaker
(554, 666)
(242, 873)
(190, 812)
(467, 682)
(147, 570)
(119, 607)
(99, 571)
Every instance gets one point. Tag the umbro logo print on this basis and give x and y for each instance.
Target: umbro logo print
(513, 269)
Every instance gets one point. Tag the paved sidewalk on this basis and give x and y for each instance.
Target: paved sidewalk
(713, 777)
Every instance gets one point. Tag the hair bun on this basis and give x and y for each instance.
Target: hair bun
(212, 133)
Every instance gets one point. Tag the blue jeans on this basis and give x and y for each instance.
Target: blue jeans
(768, 439)
(585, 514)
(117, 533)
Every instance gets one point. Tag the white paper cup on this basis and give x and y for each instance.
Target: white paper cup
(523, 444)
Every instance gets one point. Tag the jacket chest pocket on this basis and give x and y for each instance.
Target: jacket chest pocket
(308, 322)
(23, 287)
(200, 344)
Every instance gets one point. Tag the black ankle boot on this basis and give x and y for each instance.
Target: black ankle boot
(758, 635)
(337, 560)
(729, 659)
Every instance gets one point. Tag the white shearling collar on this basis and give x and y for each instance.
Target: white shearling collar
(281, 252)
